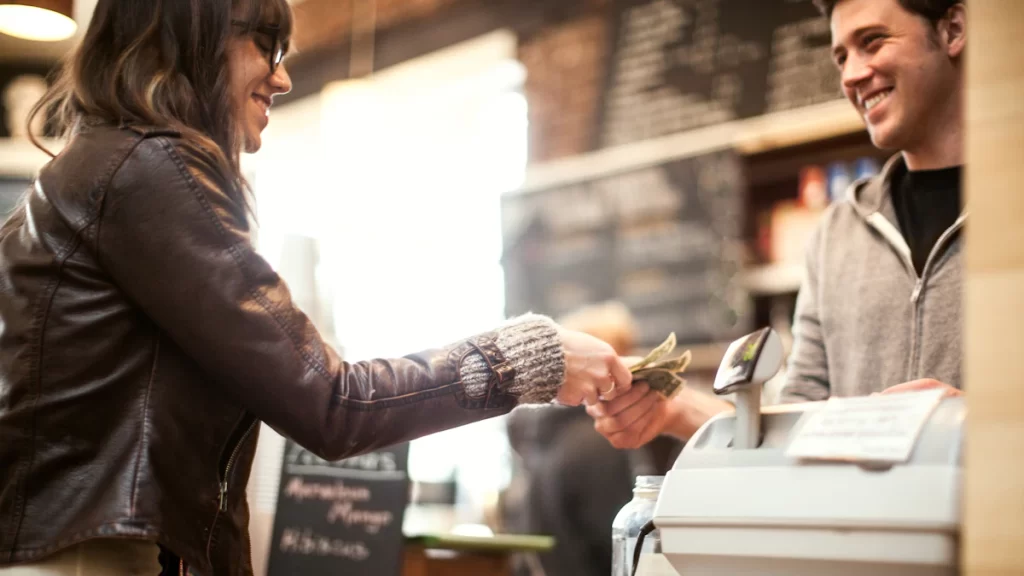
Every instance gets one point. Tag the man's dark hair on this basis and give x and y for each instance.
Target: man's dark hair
(931, 10)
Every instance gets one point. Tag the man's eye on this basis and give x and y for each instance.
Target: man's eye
(840, 60)
(871, 40)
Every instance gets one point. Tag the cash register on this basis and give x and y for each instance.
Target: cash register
(842, 487)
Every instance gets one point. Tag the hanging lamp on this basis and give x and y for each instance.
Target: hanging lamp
(42, 20)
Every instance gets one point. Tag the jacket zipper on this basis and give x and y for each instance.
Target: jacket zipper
(915, 297)
(222, 504)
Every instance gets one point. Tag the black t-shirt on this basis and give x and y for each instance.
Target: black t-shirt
(927, 203)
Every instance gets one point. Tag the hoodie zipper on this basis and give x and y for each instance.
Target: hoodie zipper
(915, 297)
(936, 249)
(222, 503)
(894, 237)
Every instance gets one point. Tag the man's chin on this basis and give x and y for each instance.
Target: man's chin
(883, 138)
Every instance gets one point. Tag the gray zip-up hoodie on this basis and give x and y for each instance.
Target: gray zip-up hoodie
(864, 319)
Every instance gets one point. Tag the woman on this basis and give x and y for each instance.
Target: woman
(142, 339)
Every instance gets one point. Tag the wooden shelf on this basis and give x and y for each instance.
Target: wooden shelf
(773, 279)
(797, 127)
(748, 137)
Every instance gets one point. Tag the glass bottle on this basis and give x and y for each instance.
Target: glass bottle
(628, 522)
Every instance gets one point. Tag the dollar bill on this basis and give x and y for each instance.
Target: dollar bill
(661, 374)
(674, 365)
(663, 349)
(662, 381)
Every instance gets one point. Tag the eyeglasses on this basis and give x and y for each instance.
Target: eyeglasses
(275, 52)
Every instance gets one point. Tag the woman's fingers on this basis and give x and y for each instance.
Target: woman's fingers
(621, 378)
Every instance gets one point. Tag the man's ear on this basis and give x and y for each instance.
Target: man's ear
(953, 30)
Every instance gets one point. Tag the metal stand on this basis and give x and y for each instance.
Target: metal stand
(748, 418)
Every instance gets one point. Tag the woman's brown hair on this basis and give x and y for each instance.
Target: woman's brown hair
(162, 63)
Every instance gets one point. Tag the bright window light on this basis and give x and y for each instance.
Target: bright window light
(400, 178)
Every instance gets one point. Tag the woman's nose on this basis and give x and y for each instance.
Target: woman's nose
(280, 81)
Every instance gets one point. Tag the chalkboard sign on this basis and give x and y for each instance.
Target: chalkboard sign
(340, 517)
(677, 65)
(664, 240)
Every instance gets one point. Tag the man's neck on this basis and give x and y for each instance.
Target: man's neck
(939, 153)
(943, 145)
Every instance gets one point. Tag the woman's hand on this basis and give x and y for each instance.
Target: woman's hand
(593, 371)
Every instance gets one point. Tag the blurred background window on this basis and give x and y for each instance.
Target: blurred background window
(395, 180)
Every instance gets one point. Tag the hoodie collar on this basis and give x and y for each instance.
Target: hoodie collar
(874, 194)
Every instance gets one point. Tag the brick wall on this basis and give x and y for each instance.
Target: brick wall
(320, 23)
(565, 72)
(564, 55)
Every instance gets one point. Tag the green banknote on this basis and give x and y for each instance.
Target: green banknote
(660, 372)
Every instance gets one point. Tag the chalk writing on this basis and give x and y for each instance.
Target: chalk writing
(307, 542)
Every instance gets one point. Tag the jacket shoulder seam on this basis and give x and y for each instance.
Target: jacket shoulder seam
(179, 162)
(94, 211)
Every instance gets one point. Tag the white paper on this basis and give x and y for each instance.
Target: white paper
(882, 428)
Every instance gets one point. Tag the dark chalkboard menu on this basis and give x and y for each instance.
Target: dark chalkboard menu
(664, 240)
(677, 65)
(340, 517)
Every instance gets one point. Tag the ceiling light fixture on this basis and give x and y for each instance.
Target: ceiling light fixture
(43, 20)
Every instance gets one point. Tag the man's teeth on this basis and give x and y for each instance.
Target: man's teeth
(874, 100)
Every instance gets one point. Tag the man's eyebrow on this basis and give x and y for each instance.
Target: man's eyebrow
(856, 35)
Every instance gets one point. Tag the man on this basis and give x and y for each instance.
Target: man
(880, 308)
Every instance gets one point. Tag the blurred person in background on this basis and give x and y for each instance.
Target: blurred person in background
(879, 310)
(568, 481)
(142, 338)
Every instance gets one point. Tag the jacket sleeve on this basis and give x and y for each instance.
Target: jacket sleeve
(179, 248)
(807, 372)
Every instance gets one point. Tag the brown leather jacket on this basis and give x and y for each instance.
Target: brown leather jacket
(141, 340)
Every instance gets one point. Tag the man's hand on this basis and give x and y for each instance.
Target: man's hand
(633, 419)
(923, 384)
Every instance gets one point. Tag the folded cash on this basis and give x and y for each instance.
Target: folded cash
(674, 364)
(657, 354)
(662, 381)
(662, 374)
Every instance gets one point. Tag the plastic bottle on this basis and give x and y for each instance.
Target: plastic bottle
(628, 522)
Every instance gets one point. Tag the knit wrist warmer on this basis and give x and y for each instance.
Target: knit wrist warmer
(531, 345)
